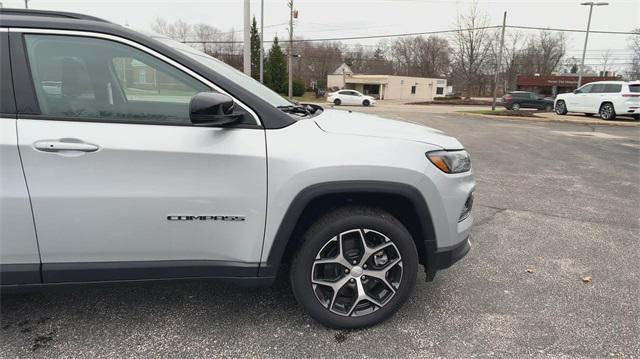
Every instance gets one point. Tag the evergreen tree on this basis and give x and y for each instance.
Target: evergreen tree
(275, 68)
(255, 50)
(574, 69)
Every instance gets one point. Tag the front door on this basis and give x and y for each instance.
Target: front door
(579, 101)
(122, 185)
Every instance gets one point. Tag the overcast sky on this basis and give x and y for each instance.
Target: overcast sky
(340, 18)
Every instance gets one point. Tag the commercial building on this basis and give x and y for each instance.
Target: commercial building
(553, 85)
(388, 87)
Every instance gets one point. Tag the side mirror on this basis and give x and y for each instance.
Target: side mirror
(576, 91)
(212, 109)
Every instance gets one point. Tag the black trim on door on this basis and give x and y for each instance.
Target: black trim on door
(11, 274)
(306, 196)
(145, 270)
(7, 99)
(26, 100)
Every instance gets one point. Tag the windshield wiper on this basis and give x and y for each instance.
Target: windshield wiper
(303, 109)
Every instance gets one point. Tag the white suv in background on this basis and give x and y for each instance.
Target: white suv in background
(350, 97)
(606, 98)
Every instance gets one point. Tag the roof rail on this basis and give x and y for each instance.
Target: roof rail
(46, 13)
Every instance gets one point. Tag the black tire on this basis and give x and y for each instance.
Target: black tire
(548, 108)
(324, 231)
(515, 107)
(588, 114)
(561, 108)
(636, 117)
(337, 102)
(365, 103)
(607, 111)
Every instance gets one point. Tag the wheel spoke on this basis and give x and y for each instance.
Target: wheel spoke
(368, 251)
(338, 259)
(381, 274)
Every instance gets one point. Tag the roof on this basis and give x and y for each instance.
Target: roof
(51, 14)
(343, 69)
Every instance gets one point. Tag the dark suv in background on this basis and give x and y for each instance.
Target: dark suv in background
(515, 100)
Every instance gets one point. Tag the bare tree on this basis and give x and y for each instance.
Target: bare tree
(206, 34)
(633, 72)
(606, 58)
(544, 53)
(510, 60)
(472, 44)
(181, 30)
(162, 27)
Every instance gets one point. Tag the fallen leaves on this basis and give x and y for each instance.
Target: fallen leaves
(587, 279)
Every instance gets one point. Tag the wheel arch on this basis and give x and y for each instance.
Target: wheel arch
(403, 201)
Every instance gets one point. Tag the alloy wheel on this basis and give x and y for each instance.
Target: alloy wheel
(356, 272)
(606, 111)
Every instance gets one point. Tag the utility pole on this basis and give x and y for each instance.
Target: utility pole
(247, 38)
(290, 50)
(262, 41)
(499, 62)
(591, 4)
(26, 4)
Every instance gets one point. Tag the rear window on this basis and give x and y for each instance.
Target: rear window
(612, 88)
(634, 88)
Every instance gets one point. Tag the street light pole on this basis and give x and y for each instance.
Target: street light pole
(247, 38)
(591, 4)
(291, 50)
(498, 63)
(262, 41)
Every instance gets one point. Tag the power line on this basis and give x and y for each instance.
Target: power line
(362, 37)
(573, 30)
(426, 33)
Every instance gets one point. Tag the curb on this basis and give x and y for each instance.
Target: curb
(544, 119)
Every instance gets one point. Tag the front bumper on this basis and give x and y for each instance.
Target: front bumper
(444, 257)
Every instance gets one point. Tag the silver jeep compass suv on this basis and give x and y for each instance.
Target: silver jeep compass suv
(129, 157)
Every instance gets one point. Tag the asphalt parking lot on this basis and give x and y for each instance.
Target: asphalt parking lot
(555, 203)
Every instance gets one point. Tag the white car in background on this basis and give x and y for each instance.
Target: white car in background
(606, 98)
(350, 97)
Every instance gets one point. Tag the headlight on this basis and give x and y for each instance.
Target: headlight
(451, 161)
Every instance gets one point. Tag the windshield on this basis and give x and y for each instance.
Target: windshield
(227, 71)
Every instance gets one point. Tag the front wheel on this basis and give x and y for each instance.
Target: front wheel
(561, 108)
(366, 103)
(607, 112)
(337, 102)
(356, 267)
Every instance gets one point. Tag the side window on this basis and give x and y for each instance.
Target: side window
(413, 90)
(439, 90)
(598, 88)
(612, 88)
(90, 78)
(586, 88)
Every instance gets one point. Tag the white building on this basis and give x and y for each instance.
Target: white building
(388, 87)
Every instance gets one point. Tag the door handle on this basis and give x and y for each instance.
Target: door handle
(59, 146)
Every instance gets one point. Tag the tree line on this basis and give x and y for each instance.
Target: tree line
(466, 57)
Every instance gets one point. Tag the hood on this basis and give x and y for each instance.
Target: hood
(360, 124)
